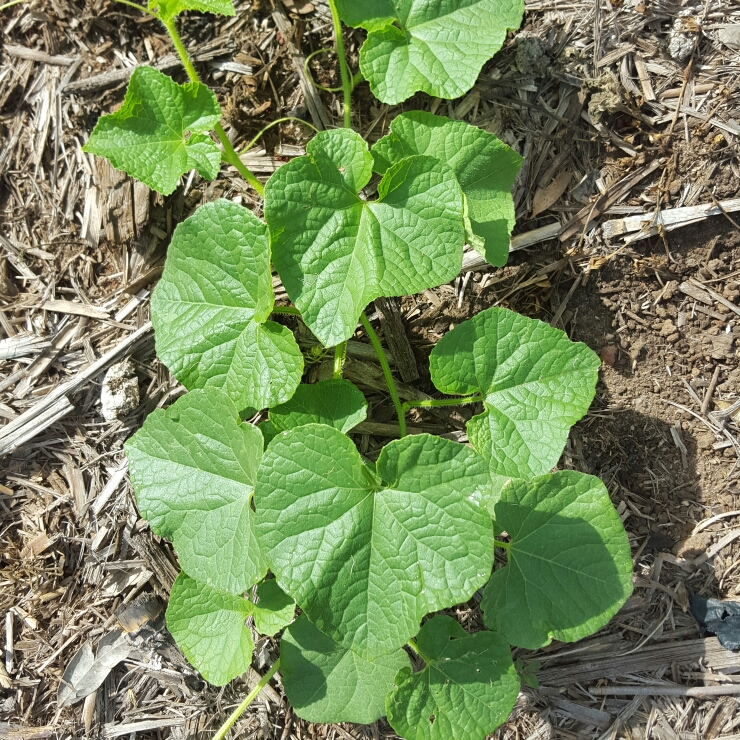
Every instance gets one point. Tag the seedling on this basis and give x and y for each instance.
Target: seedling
(371, 552)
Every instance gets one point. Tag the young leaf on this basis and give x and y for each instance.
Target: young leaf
(484, 166)
(367, 555)
(211, 307)
(569, 566)
(193, 468)
(536, 382)
(436, 46)
(158, 133)
(336, 403)
(336, 252)
(209, 628)
(326, 682)
(274, 610)
(466, 690)
(168, 9)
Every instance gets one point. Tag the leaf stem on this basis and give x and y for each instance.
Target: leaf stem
(346, 79)
(412, 644)
(274, 123)
(248, 699)
(229, 154)
(386, 372)
(340, 355)
(436, 402)
(123, 2)
(290, 310)
(501, 543)
(307, 70)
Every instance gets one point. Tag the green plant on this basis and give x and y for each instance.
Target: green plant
(366, 549)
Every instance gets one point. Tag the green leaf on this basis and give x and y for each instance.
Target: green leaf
(466, 690)
(168, 9)
(158, 134)
(211, 307)
(366, 555)
(193, 468)
(336, 252)
(209, 627)
(484, 166)
(326, 682)
(436, 46)
(569, 566)
(336, 403)
(536, 382)
(275, 610)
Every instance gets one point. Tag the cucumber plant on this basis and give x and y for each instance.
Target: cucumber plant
(370, 552)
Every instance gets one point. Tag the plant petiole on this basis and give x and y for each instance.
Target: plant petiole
(248, 699)
(346, 79)
(412, 644)
(386, 372)
(502, 544)
(229, 154)
(123, 2)
(340, 355)
(270, 125)
(431, 403)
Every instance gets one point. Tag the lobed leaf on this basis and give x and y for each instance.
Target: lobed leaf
(466, 690)
(569, 566)
(159, 133)
(366, 554)
(209, 627)
(484, 167)
(336, 252)
(335, 402)
(326, 682)
(274, 610)
(211, 307)
(193, 468)
(436, 46)
(536, 383)
(168, 9)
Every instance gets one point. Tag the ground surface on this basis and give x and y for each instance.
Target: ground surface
(619, 109)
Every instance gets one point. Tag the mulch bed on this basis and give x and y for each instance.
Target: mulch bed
(627, 115)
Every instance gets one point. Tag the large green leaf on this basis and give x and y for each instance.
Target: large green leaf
(193, 468)
(367, 555)
(436, 46)
(536, 383)
(168, 9)
(569, 566)
(336, 402)
(159, 133)
(336, 252)
(466, 690)
(274, 609)
(484, 166)
(209, 627)
(211, 307)
(326, 682)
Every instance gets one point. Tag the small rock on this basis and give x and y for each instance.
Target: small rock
(667, 328)
(681, 37)
(120, 392)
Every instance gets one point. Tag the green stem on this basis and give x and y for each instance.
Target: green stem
(274, 123)
(250, 697)
(386, 372)
(123, 2)
(346, 78)
(307, 70)
(290, 310)
(229, 154)
(412, 644)
(431, 403)
(500, 543)
(340, 355)
(357, 79)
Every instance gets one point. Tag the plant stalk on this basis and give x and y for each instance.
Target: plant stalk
(431, 403)
(123, 2)
(343, 68)
(229, 154)
(390, 382)
(340, 355)
(500, 543)
(412, 644)
(274, 123)
(248, 699)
